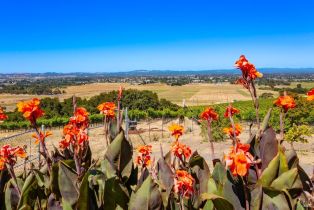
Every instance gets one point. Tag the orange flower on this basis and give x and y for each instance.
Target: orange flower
(181, 150)
(42, 136)
(183, 183)
(249, 71)
(209, 114)
(176, 130)
(3, 116)
(73, 134)
(143, 158)
(285, 102)
(237, 131)
(231, 110)
(80, 116)
(239, 161)
(8, 155)
(107, 109)
(310, 95)
(31, 109)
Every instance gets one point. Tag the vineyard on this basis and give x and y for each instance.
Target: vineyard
(260, 172)
(245, 107)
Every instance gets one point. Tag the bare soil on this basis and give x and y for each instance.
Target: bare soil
(154, 134)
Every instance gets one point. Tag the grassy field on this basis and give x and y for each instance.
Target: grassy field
(193, 94)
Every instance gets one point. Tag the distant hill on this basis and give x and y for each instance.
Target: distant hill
(148, 73)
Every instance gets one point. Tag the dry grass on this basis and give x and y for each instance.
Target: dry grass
(193, 94)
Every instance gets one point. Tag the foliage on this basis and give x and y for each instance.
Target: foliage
(298, 133)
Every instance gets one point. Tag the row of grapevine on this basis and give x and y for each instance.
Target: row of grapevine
(245, 107)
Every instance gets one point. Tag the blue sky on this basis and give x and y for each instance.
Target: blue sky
(99, 36)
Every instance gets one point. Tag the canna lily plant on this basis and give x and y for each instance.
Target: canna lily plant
(257, 173)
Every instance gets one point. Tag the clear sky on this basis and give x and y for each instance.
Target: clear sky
(118, 35)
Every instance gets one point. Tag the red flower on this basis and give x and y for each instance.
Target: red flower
(3, 116)
(8, 155)
(285, 102)
(42, 137)
(237, 131)
(143, 158)
(183, 183)
(107, 109)
(63, 144)
(31, 109)
(231, 110)
(249, 71)
(239, 160)
(181, 151)
(209, 114)
(310, 95)
(176, 130)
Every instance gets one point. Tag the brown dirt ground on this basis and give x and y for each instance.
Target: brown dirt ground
(157, 137)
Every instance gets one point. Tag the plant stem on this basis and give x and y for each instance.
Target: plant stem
(252, 91)
(77, 164)
(12, 174)
(44, 148)
(247, 204)
(209, 132)
(233, 129)
(282, 117)
(181, 203)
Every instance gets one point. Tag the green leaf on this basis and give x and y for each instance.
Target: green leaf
(283, 165)
(30, 192)
(66, 205)
(115, 194)
(219, 202)
(200, 172)
(219, 175)
(146, 197)
(292, 159)
(140, 198)
(286, 180)
(209, 205)
(86, 199)
(257, 198)
(54, 186)
(11, 196)
(233, 191)
(42, 179)
(266, 120)
(119, 154)
(274, 200)
(268, 147)
(67, 181)
(270, 172)
(166, 179)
